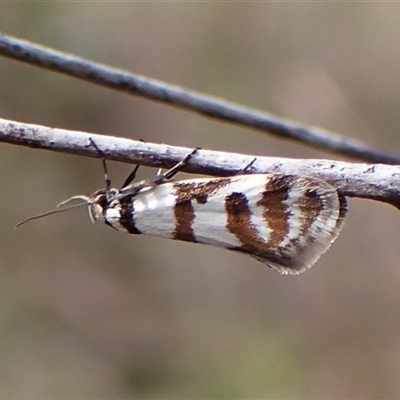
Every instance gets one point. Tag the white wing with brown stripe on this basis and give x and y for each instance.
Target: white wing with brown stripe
(286, 222)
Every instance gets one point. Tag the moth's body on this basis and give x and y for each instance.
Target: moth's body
(286, 222)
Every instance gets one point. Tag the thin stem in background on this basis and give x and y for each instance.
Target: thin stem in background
(207, 105)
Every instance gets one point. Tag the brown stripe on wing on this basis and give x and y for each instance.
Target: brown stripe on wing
(184, 216)
(239, 223)
(199, 191)
(184, 212)
(127, 215)
(342, 210)
(273, 203)
(276, 212)
(310, 206)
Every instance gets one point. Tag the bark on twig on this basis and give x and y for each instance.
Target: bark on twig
(180, 97)
(369, 181)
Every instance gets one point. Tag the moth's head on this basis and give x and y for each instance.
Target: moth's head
(97, 203)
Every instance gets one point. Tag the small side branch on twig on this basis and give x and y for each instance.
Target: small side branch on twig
(369, 181)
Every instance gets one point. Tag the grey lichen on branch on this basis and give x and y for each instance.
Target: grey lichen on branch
(369, 181)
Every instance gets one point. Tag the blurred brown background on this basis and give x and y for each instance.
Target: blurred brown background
(87, 312)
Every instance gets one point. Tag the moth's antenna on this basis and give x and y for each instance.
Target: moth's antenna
(103, 160)
(56, 211)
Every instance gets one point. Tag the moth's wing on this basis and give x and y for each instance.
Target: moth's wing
(286, 222)
(309, 220)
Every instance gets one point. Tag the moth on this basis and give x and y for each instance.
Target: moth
(285, 221)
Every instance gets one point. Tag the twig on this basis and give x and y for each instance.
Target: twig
(376, 182)
(210, 106)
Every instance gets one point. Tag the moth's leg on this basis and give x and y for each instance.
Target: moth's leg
(248, 167)
(131, 189)
(131, 177)
(103, 160)
(168, 175)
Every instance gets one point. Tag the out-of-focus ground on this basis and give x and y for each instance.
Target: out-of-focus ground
(87, 312)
